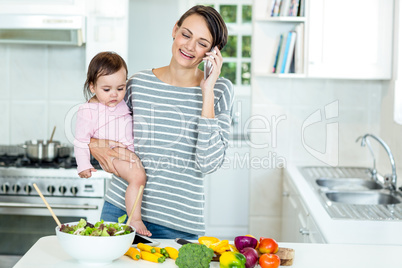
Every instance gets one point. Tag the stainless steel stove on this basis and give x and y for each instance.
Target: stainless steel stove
(24, 217)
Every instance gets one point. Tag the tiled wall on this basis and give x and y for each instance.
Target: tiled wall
(39, 85)
(292, 102)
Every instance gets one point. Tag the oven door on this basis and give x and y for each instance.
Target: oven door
(23, 220)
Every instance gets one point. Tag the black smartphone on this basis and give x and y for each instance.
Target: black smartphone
(208, 66)
(145, 240)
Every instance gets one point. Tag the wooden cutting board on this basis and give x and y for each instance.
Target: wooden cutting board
(285, 254)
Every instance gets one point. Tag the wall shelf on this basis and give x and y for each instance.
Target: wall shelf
(287, 75)
(282, 19)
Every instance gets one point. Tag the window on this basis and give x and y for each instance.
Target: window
(237, 52)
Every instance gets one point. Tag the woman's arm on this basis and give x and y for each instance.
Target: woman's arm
(213, 133)
(103, 151)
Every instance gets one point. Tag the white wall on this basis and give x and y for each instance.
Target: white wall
(40, 83)
(39, 86)
(150, 32)
(391, 132)
(295, 100)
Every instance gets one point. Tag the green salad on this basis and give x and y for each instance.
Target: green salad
(99, 229)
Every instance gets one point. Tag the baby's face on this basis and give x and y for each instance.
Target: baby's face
(110, 89)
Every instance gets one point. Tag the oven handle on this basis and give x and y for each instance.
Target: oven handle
(54, 206)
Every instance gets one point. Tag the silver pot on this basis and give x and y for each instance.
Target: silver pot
(40, 150)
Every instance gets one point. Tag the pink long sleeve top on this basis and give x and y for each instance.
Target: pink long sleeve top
(95, 120)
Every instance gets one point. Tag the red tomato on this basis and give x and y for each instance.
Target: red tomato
(269, 261)
(268, 245)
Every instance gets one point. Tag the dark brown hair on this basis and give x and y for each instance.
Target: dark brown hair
(104, 63)
(216, 25)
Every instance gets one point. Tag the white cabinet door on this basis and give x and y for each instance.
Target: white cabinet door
(290, 222)
(294, 215)
(298, 226)
(227, 197)
(314, 234)
(350, 39)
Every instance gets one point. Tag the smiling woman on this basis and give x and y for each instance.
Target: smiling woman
(181, 125)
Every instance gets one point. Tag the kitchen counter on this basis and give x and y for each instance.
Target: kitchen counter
(350, 231)
(47, 252)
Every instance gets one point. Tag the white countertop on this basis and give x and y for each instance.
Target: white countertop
(345, 231)
(47, 252)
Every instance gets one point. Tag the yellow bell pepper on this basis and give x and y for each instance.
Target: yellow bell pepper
(207, 240)
(221, 246)
(233, 248)
(232, 260)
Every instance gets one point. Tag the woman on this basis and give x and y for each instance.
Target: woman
(181, 129)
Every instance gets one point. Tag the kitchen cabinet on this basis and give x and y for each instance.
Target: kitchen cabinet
(227, 195)
(342, 39)
(107, 28)
(43, 7)
(298, 225)
(350, 39)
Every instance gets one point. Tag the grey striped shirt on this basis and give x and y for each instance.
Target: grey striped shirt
(177, 148)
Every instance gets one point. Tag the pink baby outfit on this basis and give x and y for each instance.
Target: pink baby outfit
(96, 120)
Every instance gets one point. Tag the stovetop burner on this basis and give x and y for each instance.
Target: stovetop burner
(21, 161)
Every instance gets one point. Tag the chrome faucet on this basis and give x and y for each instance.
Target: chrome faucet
(387, 178)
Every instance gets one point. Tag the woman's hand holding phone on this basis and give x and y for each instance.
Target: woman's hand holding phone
(208, 65)
(212, 64)
(207, 85)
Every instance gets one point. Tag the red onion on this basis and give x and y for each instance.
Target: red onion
(244, 242)
(251, 256)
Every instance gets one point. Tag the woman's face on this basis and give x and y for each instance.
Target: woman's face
(191, 41)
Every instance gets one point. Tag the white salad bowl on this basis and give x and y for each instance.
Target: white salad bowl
(95, 250)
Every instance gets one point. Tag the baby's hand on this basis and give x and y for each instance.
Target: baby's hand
(86, 173)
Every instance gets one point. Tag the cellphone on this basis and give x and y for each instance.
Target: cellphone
(208, 66)
(145, 240)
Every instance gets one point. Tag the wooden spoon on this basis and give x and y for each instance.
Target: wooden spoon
(51, 136)
(47, 205)
(135, 204)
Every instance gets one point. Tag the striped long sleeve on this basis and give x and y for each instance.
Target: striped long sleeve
(177, 148)
(213, 134)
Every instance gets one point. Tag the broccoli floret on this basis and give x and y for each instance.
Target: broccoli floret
(194, 256)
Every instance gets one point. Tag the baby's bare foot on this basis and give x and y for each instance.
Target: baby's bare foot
(140, 227)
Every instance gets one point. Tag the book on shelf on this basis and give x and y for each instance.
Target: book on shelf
(284, 8)
(289, 56)
(300, 11)
(294, 8)
(299, 49)
(278, 51)
(275, 7)
(271, 7)
(289, 52)
(281, 51)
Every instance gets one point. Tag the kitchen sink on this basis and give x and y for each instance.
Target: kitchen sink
(355, 184)
(362, 198)
(351, 193)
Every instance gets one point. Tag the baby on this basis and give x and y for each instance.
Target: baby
(106, 116)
